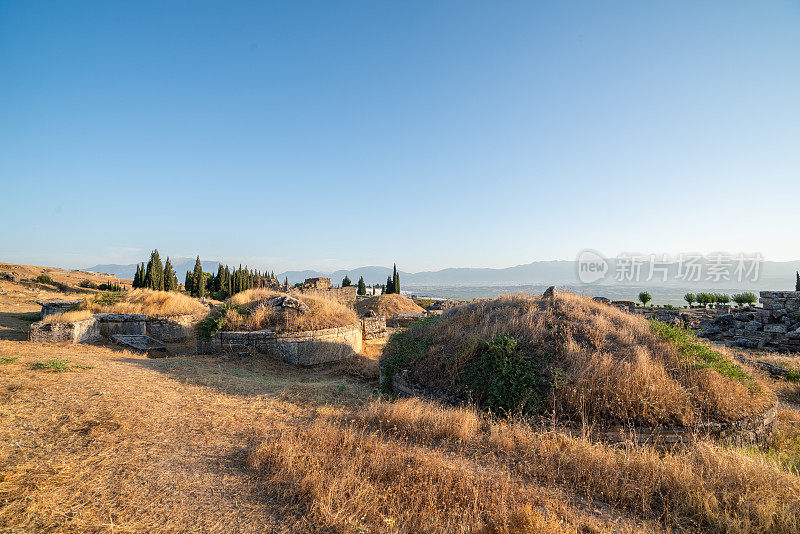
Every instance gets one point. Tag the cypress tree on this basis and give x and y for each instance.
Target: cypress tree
(198, 281)
(136, 277)
(362, 287)
(797, 283)
(170, 280)
(187, 285)
(154, 276)
(389, 286)
(396, 281)
(346, 282)
(286, 282)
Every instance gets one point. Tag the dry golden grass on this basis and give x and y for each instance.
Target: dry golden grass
(252, 313)
(720, 489)
(123, 443)
(153, 303)
(68, 317)
(357, 481)
(615, 368)
(388, 305)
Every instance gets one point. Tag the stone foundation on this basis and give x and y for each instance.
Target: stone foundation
(297, 348)
(75, 332)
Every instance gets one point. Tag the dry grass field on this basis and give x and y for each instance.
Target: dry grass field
(96, 439)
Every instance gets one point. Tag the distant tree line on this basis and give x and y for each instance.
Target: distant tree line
(227, 282)
(704, 299)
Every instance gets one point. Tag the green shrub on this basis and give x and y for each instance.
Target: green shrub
(88, 284)
(504, 379)
(8, 359)
(44, 279)
(405, 347)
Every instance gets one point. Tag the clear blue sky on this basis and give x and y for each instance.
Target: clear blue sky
(431, 134)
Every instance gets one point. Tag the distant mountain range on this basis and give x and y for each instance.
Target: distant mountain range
(772, 275)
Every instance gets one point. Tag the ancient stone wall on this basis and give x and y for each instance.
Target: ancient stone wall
(52, 307)
(129, 324)
(774, 326)
(374, 327)
(298, 348)
(171, 329)
(74, 332)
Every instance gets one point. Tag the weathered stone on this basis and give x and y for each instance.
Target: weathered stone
(550, 292)
(54, 306)
(73, 332)
(775, 328)
(140, 343)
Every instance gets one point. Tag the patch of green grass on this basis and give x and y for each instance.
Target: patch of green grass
(697, 354)
(793, 376)
(8, 359)
(108, 298)
(57, 365)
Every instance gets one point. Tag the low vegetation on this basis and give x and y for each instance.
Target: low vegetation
(148, 302)
(68, 317)
(573, 359)
(251, 310)
(56, 365)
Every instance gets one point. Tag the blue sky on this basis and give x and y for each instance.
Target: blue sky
(430, 134)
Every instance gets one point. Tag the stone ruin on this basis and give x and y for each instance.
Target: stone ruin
(55, 306)
(775, 326)
(319, 282)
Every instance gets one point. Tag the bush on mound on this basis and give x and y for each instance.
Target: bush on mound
(578, 358)
(256, 309)
(388, 305)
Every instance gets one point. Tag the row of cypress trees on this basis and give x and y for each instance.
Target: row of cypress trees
(228, 280)
(155, 276)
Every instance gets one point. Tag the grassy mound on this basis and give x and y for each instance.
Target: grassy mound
(578, 358)
(388, 305)
(147, 302)
(249, 310)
